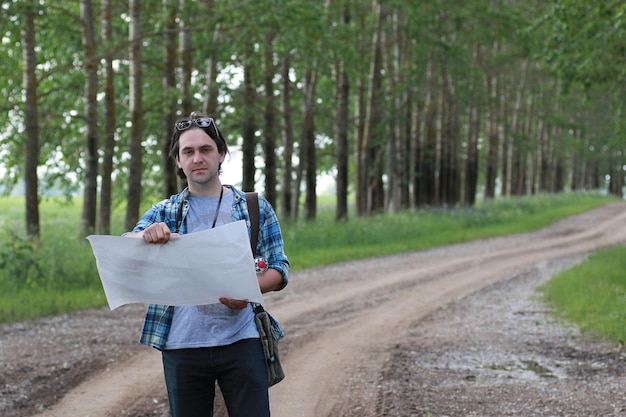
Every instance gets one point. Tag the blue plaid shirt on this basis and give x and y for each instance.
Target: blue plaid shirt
(269, 246)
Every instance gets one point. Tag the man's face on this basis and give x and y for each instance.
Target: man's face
(199, 157)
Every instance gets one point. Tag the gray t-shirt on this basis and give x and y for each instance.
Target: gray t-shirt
(212, 324)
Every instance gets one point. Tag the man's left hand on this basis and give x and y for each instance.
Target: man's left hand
(234, 303)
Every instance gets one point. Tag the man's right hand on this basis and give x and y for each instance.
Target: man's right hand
(155, 233)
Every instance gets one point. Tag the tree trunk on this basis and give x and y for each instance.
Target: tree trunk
(559, 185)
(455, 145)
(212, 91)
(416, 151)
(539, 160)
(170, 92)
(372, 150)
(443, 145)
(471, 164)
(186, 62)
(503, 132)
(340, 130)
(579, 162)
(341, 134)
(552, 166)
(473, 132)
(360, 160)
(404, 118)
(248, 126)
(530, 139)
(269, 121)
(309, 152)
(449, 166)
(616, 184)
(517, 150)
(545, 179)
(135, 170)
(104, 224)
(31, 122)
(596, 178)
(90, 181)
(341, 143)
(397, 152)
(286, 184)
(428, 195)
(536, 125)
(493, 139)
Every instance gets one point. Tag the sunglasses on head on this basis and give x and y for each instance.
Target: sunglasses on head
(199, 121)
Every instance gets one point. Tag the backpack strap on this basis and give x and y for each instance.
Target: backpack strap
(253, 210)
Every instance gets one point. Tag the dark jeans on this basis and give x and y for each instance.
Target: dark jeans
(239, 369)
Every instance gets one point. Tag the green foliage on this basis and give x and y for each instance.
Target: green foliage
(583, 42)
(18, 263)
(593, 294)
(52, 276)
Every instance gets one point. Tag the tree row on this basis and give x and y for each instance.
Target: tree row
(406, 104)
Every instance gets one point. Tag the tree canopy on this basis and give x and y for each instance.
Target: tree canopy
(405, 104)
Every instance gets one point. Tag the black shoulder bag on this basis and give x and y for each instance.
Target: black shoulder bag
(262, 318)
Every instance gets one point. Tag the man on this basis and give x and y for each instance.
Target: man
(220, 343)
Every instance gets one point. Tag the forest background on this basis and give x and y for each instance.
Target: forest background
(405, 104)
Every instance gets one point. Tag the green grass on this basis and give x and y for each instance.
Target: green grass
(323, 241)
(593, 294)
(59, 274)
(34, 303)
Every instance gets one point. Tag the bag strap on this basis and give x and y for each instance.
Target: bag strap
(252, 199)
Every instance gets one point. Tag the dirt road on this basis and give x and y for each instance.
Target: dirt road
(349, 330)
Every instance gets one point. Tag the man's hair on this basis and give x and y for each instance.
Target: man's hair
(210, 130)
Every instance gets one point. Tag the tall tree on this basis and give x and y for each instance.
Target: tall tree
(493, 135)
(449, 175)
(248, 124)
(186, 59)
(421, 87)
(517, 151)
(135, 169)
(372, 147)
(396, 152)
(341, 139)
(31, 120)
(170, 94)
(91, 60)
(472, 135)
(416, 157)
(269, 118)
(313, 65)
(287, 206)
(308, 152)
(104, 224)
(342, 83)
(584, 42)
(360, 108)
(212, 91)
(428, 184)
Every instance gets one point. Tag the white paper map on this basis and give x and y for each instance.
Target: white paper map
(192, 269)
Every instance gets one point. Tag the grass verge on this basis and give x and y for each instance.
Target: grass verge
(593, 294)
